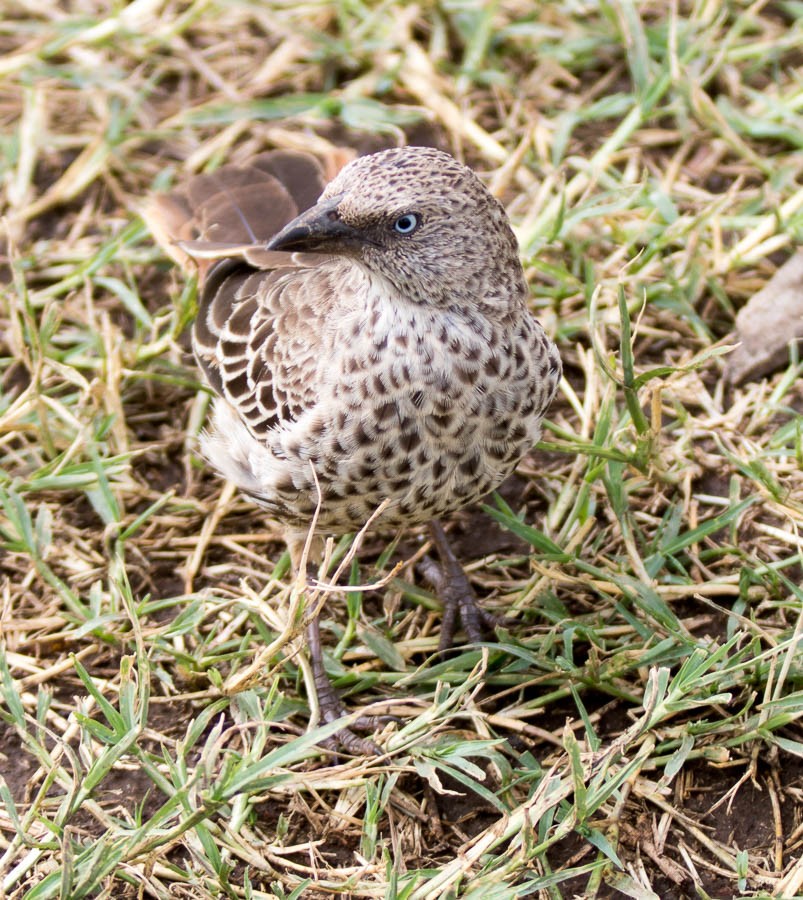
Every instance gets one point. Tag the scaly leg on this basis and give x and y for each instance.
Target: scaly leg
(331, 706)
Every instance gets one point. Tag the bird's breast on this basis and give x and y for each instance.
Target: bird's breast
(426, 410)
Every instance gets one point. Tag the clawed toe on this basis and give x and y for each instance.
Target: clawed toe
(345, 739)
(493, 620)
(455, 592)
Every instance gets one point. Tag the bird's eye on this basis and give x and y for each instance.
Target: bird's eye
(407, 223)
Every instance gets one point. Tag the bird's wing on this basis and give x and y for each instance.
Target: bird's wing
(250, 315)
(252, 342)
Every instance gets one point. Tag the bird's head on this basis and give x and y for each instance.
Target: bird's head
(419, 219)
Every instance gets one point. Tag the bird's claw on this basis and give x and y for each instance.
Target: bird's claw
(332, 708)
(460, 606)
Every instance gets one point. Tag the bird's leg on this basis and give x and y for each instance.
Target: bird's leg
(331, 706)
(455, 592)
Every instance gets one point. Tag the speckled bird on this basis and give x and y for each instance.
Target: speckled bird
(371, 345)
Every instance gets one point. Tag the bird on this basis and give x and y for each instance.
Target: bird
(369, 345)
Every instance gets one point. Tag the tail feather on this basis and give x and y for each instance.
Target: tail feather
(300, 173)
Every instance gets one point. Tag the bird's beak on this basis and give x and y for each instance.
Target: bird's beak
(319, 229)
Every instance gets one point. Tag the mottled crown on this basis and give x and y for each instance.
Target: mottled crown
(461, 250)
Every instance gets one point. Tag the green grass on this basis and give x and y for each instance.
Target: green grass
(637, 731)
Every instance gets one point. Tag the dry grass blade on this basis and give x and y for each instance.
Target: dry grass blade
(639, 729)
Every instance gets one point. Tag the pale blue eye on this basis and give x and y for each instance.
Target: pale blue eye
(407, 223)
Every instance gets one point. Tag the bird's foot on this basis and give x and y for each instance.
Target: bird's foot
(345, 739)
(460, 606)
(331, 706)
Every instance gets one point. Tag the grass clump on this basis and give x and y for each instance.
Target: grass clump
(637, 732)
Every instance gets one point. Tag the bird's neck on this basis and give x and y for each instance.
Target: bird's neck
(373, 295)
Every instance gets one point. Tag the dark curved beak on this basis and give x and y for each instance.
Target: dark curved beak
(318, 229)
